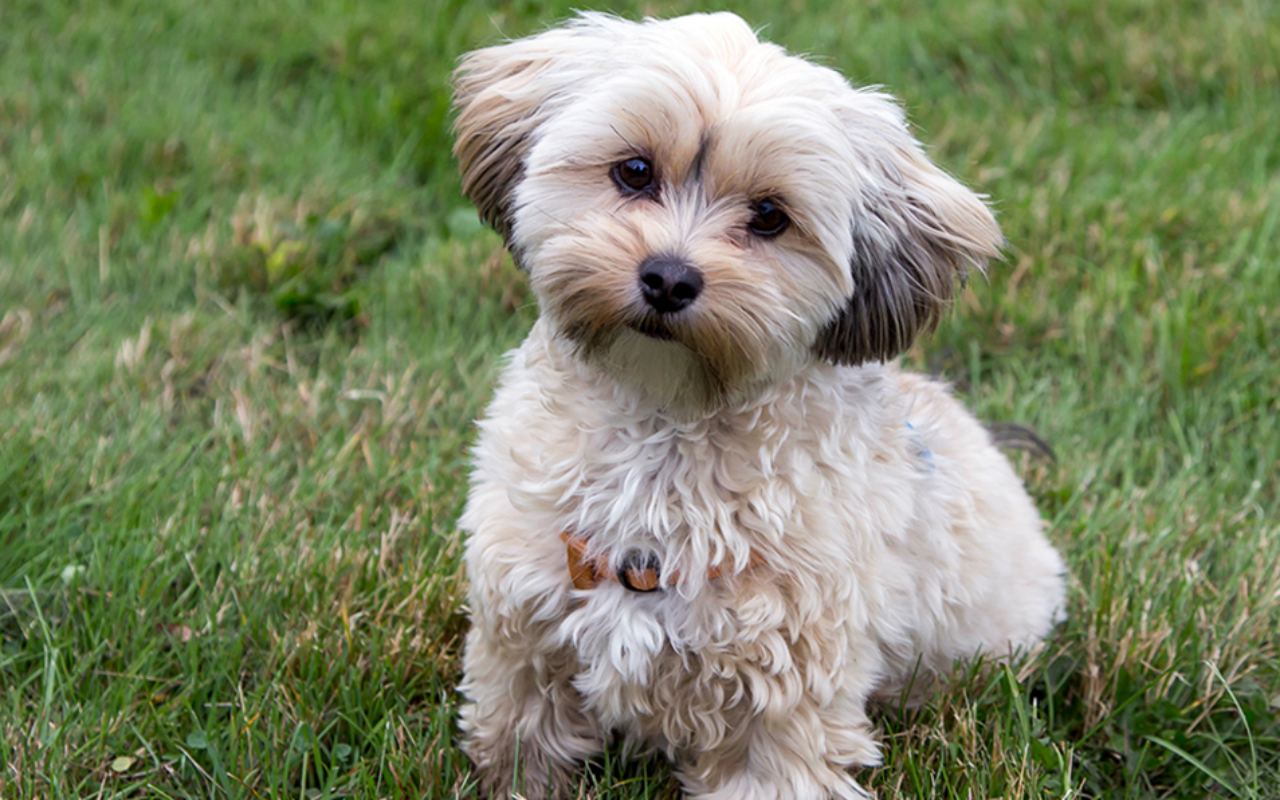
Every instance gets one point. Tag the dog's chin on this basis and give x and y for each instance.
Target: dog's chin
(654, 328)
(662, 362)
(653, 364)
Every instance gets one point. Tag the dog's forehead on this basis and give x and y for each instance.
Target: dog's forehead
(682, 105)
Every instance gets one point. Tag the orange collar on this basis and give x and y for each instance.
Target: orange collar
(636, 575)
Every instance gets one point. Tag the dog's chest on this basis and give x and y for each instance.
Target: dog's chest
(689, 497)
(766, 497)
(705, 502)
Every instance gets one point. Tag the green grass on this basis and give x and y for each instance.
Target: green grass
(246, 320)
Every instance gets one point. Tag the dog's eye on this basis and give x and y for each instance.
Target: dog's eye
(633, 175)
(768, 219)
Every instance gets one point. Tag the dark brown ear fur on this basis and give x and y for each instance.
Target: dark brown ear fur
(502, 95)
(916, 232)
(496, 114)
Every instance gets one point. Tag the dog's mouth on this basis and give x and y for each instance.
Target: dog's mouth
(652, 327)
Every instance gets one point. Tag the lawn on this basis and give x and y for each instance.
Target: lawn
(246, 320)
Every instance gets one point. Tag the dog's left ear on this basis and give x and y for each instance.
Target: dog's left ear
(503, 94)
(916, 232)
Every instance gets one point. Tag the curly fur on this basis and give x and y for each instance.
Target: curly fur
(891, 537)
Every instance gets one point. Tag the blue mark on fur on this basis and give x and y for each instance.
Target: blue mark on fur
(922, 450)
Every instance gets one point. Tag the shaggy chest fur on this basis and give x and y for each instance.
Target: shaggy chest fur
(689, 662)
(781, 481)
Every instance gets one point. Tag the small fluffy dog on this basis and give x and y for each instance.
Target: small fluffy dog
(708, 513)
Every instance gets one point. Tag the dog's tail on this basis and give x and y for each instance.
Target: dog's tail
(1012, 436)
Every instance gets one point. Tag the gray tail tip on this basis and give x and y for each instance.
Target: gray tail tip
(1012, 436)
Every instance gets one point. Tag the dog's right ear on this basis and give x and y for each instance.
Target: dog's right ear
(503, 94)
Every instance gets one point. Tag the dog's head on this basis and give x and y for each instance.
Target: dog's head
(691, 201)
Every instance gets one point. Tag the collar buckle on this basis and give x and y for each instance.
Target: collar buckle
(640, 572)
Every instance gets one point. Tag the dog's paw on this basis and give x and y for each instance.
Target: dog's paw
(531, 775)
(829, 785)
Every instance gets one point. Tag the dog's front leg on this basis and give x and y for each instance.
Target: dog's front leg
(524, 725)
(802, 755)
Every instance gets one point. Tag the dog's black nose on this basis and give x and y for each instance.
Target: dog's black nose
(669, 284)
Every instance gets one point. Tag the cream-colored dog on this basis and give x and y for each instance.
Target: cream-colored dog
(706, 514)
